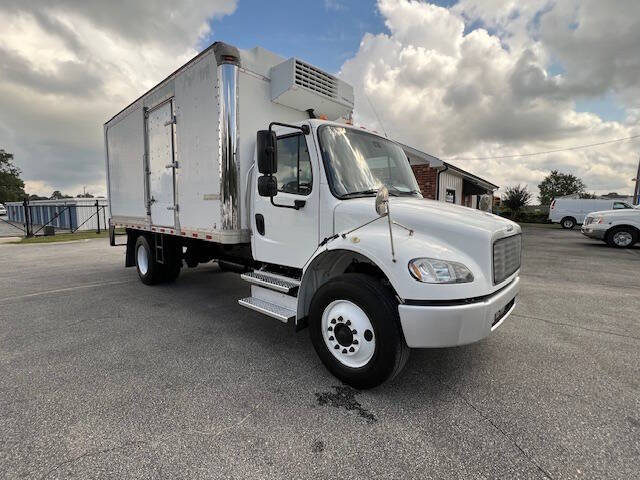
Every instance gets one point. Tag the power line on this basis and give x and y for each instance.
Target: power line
(375, 113)
(577, 147)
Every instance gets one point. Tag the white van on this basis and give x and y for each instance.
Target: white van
(569, 212)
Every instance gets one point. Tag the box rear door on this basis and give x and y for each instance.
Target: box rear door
(160, 132)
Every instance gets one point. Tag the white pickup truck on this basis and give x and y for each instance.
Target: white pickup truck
(249, 159)
(619, 228)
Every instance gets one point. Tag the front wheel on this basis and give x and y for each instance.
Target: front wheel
(622, 237)
(355, 330)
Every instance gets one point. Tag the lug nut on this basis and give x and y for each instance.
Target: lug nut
(355, 342)
(331, 338)
(344, 350)
(352, 349)
(354, 331)
(340, 318)
(337, 347)
(348, 322)
(330, 329)
(333, 320)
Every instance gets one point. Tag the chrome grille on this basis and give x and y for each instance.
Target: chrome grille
(588, 220)
(506, 257)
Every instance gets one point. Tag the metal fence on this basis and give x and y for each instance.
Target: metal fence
(45, 218)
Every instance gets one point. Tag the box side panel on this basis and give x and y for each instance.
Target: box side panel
(125, 152)
(256, 111)
(198, 177)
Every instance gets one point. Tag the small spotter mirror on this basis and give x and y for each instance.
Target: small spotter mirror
(382, 201)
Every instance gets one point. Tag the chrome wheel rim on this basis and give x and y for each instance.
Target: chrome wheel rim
(348, 333)
(143, 260)
(622, 239)
(568, 223)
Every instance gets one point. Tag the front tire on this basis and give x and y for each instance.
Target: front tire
(355, 330)
(622, 237)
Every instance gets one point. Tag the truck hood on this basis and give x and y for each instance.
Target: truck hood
(440, 230)
(425, 216)
(621, 212)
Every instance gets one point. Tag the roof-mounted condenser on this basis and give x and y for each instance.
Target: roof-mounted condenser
(302, 86)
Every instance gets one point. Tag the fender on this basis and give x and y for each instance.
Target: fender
(330, 261)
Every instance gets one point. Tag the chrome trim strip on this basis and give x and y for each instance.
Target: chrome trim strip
(228, 145)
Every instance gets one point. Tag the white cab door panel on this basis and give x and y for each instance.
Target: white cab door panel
(285, 236)
(160, 128)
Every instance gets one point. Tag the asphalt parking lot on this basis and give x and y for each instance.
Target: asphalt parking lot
(103, 377)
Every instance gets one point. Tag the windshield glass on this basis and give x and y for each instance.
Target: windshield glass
(359, 163)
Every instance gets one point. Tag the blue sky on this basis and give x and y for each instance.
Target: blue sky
(323, 32)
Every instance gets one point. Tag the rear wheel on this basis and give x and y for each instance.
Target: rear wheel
(568, 223)
(622, 237)
(355, 330)
(149, 271)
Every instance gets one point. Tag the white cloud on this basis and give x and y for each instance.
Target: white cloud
(486, 94)
(67, 66)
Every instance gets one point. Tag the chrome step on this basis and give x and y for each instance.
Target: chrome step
(272, 281)
(272, 310)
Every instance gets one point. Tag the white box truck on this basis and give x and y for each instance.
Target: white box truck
(249, 159)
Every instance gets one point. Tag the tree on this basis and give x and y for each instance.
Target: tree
(57, 195)
(515, 198)
(11, 186)
(588, 195)
(85, 195)
(37, 197)
(558, 184)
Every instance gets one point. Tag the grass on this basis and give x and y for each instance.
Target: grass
(65, 237)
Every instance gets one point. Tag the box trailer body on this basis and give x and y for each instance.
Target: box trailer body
(194, 182)
(250, 160)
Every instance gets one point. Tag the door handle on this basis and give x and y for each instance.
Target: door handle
(172, 165)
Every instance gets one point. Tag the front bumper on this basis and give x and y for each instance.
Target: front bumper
(426, 326)
(591, 232)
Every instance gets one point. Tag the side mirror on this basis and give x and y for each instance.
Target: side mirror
(382, 201)
(267, 186)
(267, 149)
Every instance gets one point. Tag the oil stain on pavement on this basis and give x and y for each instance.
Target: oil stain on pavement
(345, 397)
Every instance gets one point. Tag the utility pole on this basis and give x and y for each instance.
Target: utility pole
(636, 191)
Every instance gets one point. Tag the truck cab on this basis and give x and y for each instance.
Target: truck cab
(324, 220)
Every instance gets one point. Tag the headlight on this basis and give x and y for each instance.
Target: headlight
(598, 220)
(432, 270)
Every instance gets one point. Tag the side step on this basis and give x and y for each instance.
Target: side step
(271, 309)
(272, 281)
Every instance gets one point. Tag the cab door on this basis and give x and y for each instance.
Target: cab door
(284, 235)
(161, 157)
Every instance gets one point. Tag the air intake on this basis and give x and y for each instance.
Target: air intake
(315, 80)
(302, 86)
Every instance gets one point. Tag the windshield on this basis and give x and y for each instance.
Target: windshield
(359, 163)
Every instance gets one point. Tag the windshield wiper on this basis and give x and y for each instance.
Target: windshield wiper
(360, 192)
(404, 192)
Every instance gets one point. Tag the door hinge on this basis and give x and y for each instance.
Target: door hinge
(172, 165)
(171, 122)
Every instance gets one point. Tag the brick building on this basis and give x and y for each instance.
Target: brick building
(442, 181)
